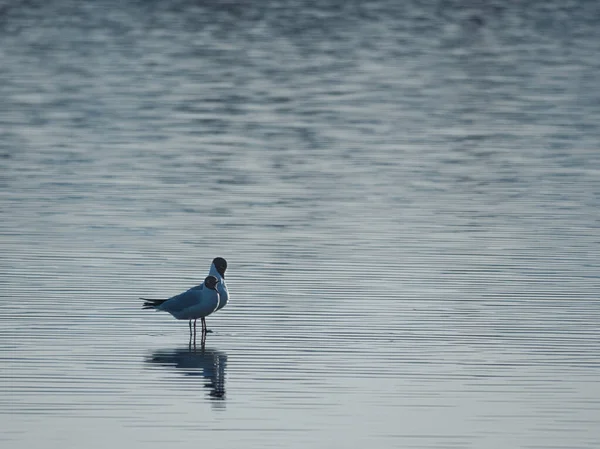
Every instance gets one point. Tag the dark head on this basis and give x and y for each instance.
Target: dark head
(220, 264)
(211, 282)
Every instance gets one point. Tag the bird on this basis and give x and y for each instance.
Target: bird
(197, 302)
(217, 269)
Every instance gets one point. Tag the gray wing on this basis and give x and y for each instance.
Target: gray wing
(182, 301)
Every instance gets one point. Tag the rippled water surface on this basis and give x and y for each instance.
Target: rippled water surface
(407, 194)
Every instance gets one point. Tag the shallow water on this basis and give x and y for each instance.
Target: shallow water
(407, 197)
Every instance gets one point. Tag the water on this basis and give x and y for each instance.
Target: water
(407, 195)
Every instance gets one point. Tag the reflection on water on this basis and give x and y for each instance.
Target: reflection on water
(199, 362)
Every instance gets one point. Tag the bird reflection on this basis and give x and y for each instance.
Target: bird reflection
(192, 361)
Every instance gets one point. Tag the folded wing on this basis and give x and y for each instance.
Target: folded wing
(181, 302)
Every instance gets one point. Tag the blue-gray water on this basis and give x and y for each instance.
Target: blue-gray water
(407, 194)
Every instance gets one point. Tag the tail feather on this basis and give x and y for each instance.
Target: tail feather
(151, 303)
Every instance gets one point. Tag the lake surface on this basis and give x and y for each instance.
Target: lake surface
(407, 194)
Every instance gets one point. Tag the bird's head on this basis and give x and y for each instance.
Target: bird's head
(211, 282)
(221, 265)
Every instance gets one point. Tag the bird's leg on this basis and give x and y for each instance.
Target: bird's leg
(194, 332)
(203, 325)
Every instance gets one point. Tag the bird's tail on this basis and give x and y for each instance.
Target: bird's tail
(151, 303)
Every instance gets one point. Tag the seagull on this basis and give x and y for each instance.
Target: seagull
(217, 269)
(197, 302)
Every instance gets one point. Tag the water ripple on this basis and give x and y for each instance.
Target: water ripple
(406, 193)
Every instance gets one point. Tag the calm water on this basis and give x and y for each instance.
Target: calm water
(407, 194)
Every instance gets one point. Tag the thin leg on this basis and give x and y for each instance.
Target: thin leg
(203, 325)
(190, 328)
